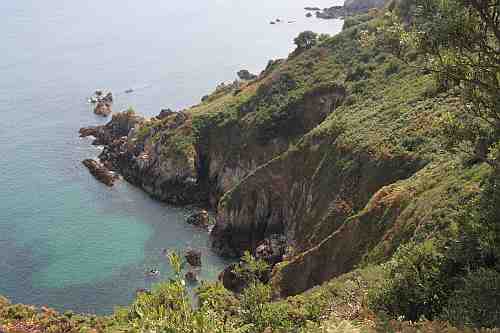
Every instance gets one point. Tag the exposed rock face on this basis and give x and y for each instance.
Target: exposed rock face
(103, 109)
(200, 219)
(100, 172)
(193, 257)
(119, 126)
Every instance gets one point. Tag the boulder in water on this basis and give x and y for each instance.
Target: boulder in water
(193, 257)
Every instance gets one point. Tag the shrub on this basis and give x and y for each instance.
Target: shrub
(415, 285)
(477, 301)
(391, 68)
(258, 310)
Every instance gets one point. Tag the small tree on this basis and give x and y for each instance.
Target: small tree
(305, 40)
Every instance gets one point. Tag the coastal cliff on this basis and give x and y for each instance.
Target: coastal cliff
(311, 150)
(348, 183)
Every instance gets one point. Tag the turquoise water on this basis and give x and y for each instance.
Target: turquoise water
(66, 240)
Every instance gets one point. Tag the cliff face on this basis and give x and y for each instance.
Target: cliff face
(333, 149)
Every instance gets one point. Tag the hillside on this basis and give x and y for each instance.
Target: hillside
(337, 152)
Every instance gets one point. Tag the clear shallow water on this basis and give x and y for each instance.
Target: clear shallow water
(65, 239)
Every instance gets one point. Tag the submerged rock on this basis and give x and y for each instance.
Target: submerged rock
(100, 172)
(193, 257)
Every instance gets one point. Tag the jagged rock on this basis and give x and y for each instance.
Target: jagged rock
(191, 276)
(89, 131)
(164, 113)
(103, 109)
(108, 98)
(309, 15)
(200, 219)
(246, 75)
(193, 257)
(100, 172)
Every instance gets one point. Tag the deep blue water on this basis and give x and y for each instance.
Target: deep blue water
(66, 240)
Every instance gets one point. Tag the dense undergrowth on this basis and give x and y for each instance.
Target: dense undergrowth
(425, 255)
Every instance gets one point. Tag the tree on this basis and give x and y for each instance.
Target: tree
(459, 41)
(305, 40)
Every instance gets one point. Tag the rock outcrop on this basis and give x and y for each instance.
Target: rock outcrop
(199, 219)
(100, 172)
(246, 75)
(193, 257)
(103, 109)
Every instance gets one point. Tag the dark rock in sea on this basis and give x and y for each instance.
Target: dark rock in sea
(246, 75)
(128, 91)
(272, 22)
(191, 277)
(314, 9)
(309, 15)
(100, 172)
(200, 219)
(142, 291)
(103, 109)
(193, 257)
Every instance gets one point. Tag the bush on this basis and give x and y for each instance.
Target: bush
(258, 310)
(415, 284)
(391, 69)
(477, 301)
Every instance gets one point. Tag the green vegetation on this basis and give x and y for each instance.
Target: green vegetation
(379, 147)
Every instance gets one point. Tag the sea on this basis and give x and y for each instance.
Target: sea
(66, 240)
